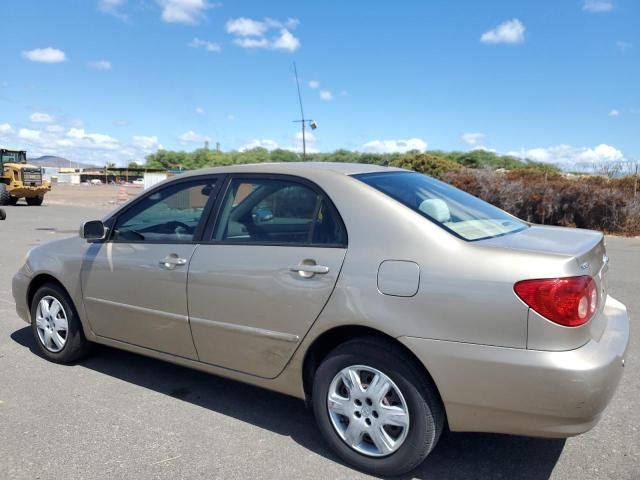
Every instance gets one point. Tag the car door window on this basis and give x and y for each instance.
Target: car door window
(270, 211)
(169, 215)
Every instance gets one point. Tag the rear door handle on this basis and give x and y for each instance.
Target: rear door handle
(308, 271)
(170, 262)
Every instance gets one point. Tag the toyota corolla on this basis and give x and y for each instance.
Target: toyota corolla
(394, 303)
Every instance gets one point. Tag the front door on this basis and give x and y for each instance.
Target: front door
(134, 284)
(257, 287)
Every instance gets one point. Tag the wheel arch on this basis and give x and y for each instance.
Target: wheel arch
(332, 338)
(40, 280)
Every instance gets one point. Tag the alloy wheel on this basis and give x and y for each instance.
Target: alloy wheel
(52, 324)
(368, 411)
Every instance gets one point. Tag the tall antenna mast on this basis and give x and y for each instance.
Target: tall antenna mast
(303, 121)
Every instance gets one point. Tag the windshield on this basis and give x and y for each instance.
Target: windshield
(13, 157)
(458, 212)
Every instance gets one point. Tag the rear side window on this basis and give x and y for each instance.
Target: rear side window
(272, 211)
(458, 212)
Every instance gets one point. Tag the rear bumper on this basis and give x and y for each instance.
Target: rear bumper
(528, 392)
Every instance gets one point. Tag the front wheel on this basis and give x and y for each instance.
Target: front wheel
(5, 196)
(35, 201)
(56, 326)
(375, 408)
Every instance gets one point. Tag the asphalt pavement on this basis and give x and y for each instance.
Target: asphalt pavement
(120, 415)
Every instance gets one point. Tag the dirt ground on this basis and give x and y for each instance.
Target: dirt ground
(91, 195)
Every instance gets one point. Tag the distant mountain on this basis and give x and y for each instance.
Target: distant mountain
(58, 162)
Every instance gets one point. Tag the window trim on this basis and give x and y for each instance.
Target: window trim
(197, 236)
(214, 218)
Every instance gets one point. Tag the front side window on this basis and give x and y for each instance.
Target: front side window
(274, 211)
(458, 212)
(171, 214)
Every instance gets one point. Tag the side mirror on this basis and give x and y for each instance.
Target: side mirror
(262, 215)
(93, 230)
(2, 214)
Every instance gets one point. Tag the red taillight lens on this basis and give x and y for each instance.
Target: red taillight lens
(569, 301)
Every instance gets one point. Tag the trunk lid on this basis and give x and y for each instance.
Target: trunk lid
(584, 247)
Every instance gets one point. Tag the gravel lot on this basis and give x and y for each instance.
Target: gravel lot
(119, 415)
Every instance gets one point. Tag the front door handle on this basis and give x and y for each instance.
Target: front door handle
(170, 262)
(308, 271)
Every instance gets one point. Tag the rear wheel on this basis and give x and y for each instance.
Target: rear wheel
(5, 197)
(56, 326)
(375, 408)
(35, 201)
(13, 200)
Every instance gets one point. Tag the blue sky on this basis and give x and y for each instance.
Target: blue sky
(113, 80)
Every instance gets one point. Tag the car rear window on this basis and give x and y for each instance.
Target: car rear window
(461, 214)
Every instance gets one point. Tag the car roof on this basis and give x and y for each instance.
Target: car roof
(299, 168)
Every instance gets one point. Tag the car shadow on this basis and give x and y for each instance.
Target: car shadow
(458, 455)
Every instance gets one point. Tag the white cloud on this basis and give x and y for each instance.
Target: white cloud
(389, 146)
(39, 117)
(45, 55)
(473, 139)
(76, 144)
(29, 135)
(206, 44)
(286, 41)
(193, 137)
(231, 117)
(259, 143)
(597, 6)
(623, 46)
(146, 143)
(568, 154)
(246, 27)
(511, 31)
(614, 113)
(250, 33)
(200, 111)
(326, 95)
(100, 65)
(112, 7)
(310, 141)
(5, 129)
(314, 83)
(251, 42)
(79, 138)
(184, 11)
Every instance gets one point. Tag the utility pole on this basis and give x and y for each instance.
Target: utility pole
(313, 125)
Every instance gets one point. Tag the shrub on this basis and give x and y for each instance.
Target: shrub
(429, 164)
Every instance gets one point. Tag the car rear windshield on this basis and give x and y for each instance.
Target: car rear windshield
(458, 212)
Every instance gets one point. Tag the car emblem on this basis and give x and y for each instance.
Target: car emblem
(585, 266)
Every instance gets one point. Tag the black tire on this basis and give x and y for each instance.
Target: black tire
(35, 201)
(76, 345)
(425, 407)
(13, 200)
(5, 197)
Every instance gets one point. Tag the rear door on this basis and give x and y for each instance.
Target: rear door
(255, 289)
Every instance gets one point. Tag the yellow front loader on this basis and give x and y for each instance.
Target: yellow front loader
(19, 180)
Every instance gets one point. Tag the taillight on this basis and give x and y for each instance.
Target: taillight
(569, 301)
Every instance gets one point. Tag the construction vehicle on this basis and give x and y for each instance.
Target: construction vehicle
(19, 180)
